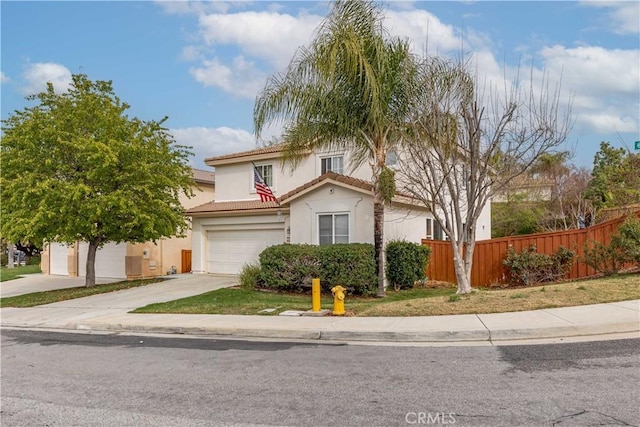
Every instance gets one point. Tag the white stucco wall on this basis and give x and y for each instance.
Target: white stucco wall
(399, 223)
(483, 227)
(235, 181)
(403, 224)
(331, 198)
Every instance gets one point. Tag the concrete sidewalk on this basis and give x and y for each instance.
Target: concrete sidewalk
(109, 313)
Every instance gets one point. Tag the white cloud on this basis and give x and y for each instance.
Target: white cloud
(271, 36)
(191, 53)
(37, 75)
(595, 69)
(624, 15)
(187, 7)
(241, 78)
(606, 122)
(4, 78)
(209, 142)
(425, 30)
(605, 84)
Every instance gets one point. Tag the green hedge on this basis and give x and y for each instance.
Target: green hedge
(290, 267)
(406, 263)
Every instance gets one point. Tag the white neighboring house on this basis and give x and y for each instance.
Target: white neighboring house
(317, 204)
(132, 261)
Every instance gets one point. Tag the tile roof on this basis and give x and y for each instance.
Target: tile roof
(247, 205)
(204, 177)
(241, 205)
(262, 150)
(353, 182)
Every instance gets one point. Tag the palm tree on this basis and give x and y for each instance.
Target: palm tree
(346, 90)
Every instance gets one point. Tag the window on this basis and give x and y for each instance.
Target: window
(333, 228)
(331, 164)
(437, 231)
(266, 173)
(392, 158)
(429, 229)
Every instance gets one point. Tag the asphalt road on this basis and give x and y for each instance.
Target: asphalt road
(56, 379)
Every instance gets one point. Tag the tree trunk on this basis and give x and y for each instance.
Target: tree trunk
(464, 283)
(90, 279)
(10, 255)
(378, 224)
(463, 271)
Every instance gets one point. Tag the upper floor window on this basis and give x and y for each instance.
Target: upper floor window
(266, 173)
(392, 158)
(331, 164)
(333, 228)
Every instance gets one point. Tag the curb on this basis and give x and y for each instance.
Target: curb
(377, 336)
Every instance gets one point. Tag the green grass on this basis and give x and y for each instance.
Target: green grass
(39, 298)
(16, 272)
(413, 302)
(244, 301)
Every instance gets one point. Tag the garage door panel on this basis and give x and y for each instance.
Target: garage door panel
(230, 250)
(58, 259)
(110, 260)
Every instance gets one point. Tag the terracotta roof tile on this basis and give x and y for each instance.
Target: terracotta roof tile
(246, 205)
(242, 205)
(202, 176)
(262, 150)
(354, 182)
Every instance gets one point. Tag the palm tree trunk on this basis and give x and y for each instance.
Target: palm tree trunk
(378, 224)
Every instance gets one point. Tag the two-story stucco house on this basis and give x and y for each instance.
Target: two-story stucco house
(131, 261)
(320, 202)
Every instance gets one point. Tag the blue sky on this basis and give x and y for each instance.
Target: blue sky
(202, 63)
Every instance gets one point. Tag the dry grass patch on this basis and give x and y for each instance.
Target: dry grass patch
(603, 290)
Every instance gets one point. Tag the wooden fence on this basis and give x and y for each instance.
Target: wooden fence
(488, 268)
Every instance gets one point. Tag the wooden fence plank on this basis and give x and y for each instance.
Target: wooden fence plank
(488, 268)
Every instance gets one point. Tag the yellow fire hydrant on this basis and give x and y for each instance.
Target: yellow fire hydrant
(338, 300)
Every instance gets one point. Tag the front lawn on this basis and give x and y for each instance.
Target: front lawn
(47, 297)
(244, 301)
(414, 302)
(18, 271)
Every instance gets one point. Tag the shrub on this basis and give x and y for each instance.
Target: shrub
(250, 276)
(602, 258)
(530, 267)
(350, 265)
(623, 248)
(406, 263)
(290, 267)
(628, 240)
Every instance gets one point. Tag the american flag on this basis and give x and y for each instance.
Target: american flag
(262, 189)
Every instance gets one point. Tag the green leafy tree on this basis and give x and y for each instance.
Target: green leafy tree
(345, 90)
(516, 216)
(76, 168)
(615, 179)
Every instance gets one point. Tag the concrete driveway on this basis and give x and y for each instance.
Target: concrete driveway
(69, 314)
(30, 283)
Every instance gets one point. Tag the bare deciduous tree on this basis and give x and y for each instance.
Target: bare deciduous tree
(466, 142)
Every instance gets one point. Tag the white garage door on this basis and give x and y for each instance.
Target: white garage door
(58, 255)
(110, 260)
(229, 250)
